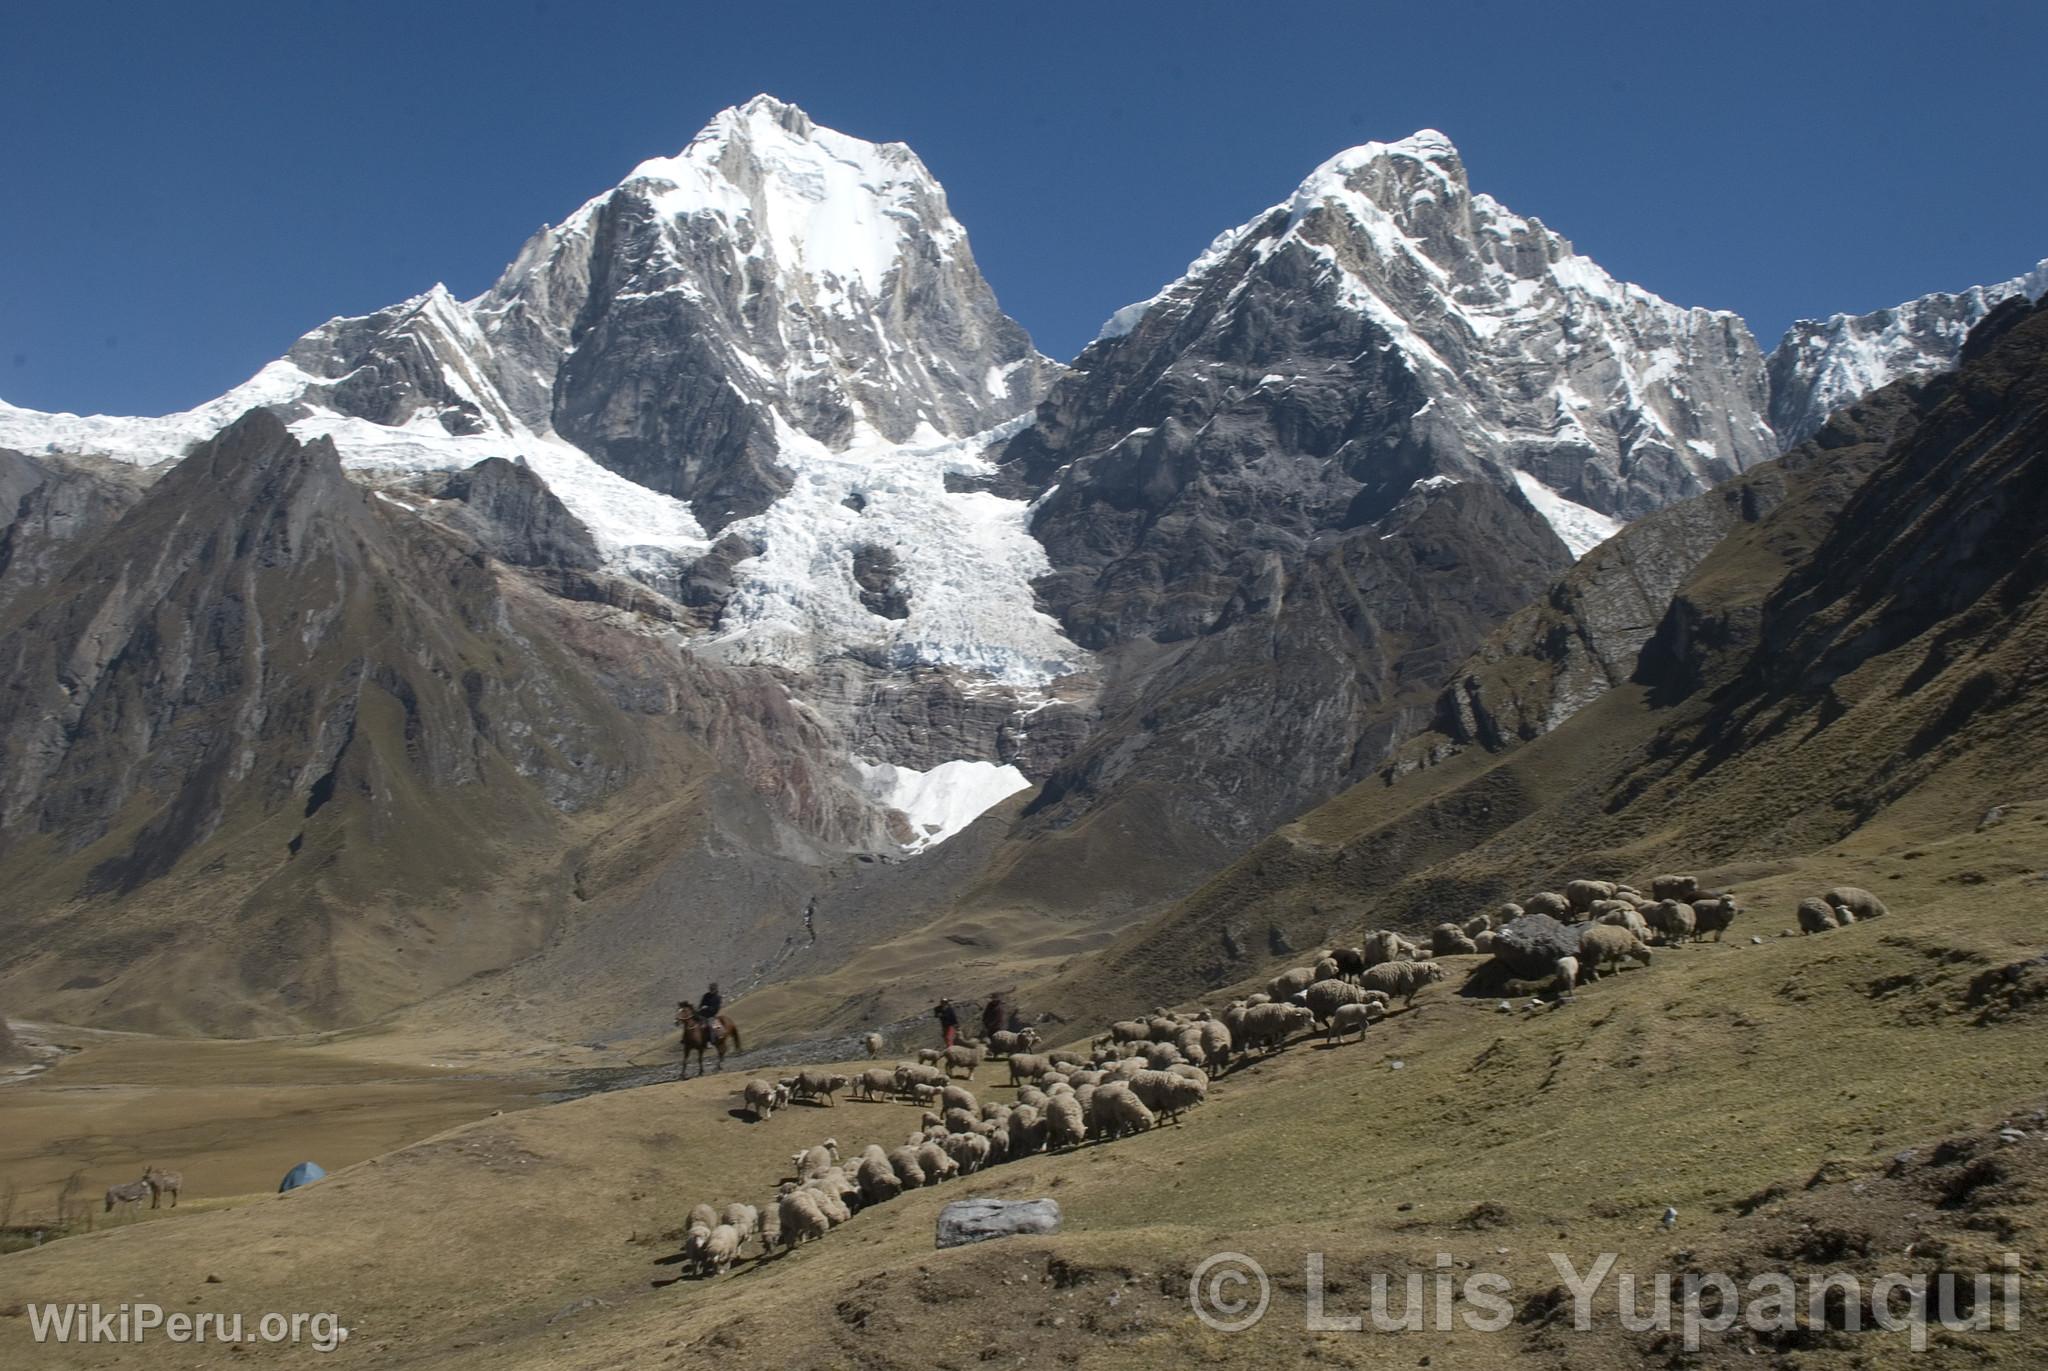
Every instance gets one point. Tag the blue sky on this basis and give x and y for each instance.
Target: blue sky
(189, 187)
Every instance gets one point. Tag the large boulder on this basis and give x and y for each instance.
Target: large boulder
(1528, 948)
(978, 1220)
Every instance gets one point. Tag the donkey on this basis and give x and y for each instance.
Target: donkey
(162, 1183)
(131, 1195)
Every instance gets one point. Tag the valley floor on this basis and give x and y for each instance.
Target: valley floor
(1806, 1105)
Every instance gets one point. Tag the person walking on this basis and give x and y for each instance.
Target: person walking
(994, 1016)
(949, 1020)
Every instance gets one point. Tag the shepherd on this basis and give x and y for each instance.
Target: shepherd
(706, 1026)
(949, 1020)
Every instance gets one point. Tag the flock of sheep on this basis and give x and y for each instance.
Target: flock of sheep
(1144, 1071)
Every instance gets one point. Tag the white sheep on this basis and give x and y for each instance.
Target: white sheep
(1352, 1018)
(1066, 1121)
(1815, 916)
(877, 1082)
(1169, 1094)
(873, 1043)
(1291, 982)
(1116, 1111)
(1566, 976)
(1601, 945)
(760, 1099)
(1027, 1066)
(1268, 1025)
(721, 1247)
(1323, 998)
(904, 1162)
(1548, 902)
(1684, 889)
(1582, 894)
(1856, 900)
(1673, 920)
(937, 1166)
(813, 1160)
(800, 1217)
(1403, 979)
(963, 1057)
(743, 1217)
(876, 1177)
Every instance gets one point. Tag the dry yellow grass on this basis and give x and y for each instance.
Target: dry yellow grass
(1719, 1072)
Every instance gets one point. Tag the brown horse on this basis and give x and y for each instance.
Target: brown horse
(697, 1037)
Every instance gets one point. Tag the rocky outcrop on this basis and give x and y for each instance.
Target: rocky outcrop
(1583, 636)
(511, 511)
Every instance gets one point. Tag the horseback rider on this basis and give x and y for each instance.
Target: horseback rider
(707, 1010)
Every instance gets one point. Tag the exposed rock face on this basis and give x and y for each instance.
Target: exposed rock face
(512, 512)
(50, 505)
(771, 273)
(1822, 365)
(1383, 326)
(1583, 636)
(1310, 674)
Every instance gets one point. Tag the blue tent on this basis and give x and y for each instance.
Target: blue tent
(305, 1173)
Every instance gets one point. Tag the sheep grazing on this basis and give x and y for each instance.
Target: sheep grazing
(1713, 915)
(1216, 1043)
(1508, 913)
(1626, 917)
(1482, 941)
(1116, 1111)
(903, 1160)
(1130, 1031)
(1066, 1122)
(759, 1097)
(1602, 945)
(935, 1163)
(743, 1217)
(800, 1217)
(1684, 889)
(1403, 979)
(1026, 1130)
(813, 1161)
(1353, 1018)
(963, 1057)
(930, 1056)
(1382, 947)
(875, 1083)
(1323, 998)
(1673, 920)
(1027, 1066)
(1159, 1056)
(967, 1149)
(1548, 902)
(1582, 894)
(1268, 1025)
(910, 1075)
(819, 1085)
(1449, 940)
(1815, 916)
(958, 1097)
(1291, 982)
(876, 1178)
(720, 1248)
(1476, 925)
(1567, 977)
(1856, 900)
(832, 1199)
(1003, 1042)
(1169, 1094)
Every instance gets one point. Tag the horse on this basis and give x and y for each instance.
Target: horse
(697, 1037)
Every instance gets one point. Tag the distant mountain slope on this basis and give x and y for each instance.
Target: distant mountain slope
(1822, 365)
(1815, 673)
(269, 733)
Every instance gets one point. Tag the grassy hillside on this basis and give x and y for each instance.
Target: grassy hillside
(1767, 1092)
